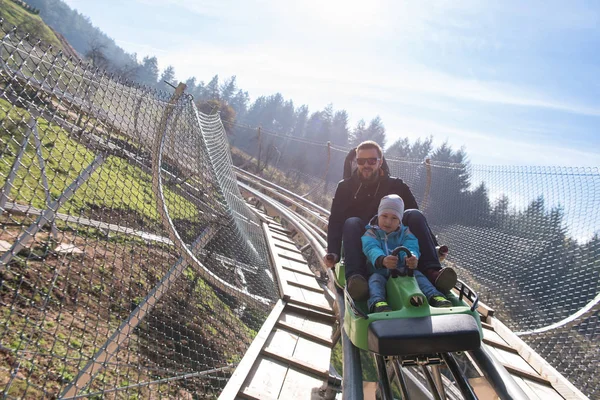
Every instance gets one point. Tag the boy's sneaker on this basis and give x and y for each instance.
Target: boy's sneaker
(439, 301)
(381, 306)
(443, 279)
(358, 288)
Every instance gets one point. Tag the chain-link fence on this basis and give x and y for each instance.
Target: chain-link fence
(527, 238)
(129, 265)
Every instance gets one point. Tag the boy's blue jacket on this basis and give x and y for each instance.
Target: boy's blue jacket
(376, 243)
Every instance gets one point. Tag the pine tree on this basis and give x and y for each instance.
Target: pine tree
(190, 85)
(449, 186)
(359, 133)
(239, 103)
(212, 89)
(168, 76)
(376, 131)
(339, 128)
(149, 71)
(228, 90)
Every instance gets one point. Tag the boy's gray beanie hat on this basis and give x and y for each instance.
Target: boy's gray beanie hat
(392, 203)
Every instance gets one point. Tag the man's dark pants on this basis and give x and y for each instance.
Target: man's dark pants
(355, 259)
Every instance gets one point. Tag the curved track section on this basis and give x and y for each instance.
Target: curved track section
(158, 187)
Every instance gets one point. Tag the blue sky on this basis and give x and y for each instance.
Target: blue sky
(514, 82)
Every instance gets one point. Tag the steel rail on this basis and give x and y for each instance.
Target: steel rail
(297, 197)
(498, 377)
(293, 220)
(285, 198)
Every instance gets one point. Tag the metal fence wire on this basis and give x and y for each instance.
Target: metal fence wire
(130, 266)
(526, 238)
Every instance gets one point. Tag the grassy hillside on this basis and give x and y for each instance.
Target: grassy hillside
(67, 305)
(28, 22)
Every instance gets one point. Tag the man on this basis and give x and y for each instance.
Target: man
(356, 201)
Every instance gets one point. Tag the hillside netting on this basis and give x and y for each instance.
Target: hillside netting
(130, 266)
(526, 238)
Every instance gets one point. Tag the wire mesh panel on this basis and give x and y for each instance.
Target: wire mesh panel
(311, 169)
(130, 266)
(526, 238)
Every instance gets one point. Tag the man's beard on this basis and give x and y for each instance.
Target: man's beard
(372, 177)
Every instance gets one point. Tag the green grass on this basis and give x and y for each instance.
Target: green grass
(28, 22)
(215, 304)
(115, 185)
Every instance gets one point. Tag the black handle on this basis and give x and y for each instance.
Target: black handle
(395, 252)
(467, 292)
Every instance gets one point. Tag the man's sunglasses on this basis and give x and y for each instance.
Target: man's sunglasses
(370, 161)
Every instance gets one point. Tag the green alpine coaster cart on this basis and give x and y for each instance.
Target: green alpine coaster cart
(413, 334)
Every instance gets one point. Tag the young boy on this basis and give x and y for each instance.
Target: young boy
(383, 235)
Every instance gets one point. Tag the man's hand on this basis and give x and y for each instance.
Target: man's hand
(330, 259)
(390, 262)
(411, 262)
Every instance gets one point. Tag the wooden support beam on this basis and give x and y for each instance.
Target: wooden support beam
(487, 326)
(527, 375)
(311, 306)
(282, 238)
(281, 230)
(500, 346)
(565, 388)
(293, 250)
(305, 334)
(300, 285)
(301, 365)
(298, 271)
(311, 313)
(482, 309)
(298, 260)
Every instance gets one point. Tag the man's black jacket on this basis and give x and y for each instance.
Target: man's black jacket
(356, 199)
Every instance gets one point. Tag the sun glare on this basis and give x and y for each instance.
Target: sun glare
(350, 14)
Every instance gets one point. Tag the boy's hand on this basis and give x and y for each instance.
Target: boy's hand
(411, 262)
(390, 262)
(330, 259)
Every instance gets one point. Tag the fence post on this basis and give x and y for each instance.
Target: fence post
(427, 185)
(259, 151)
(324, 175)
(13, 171)
(38, 150)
